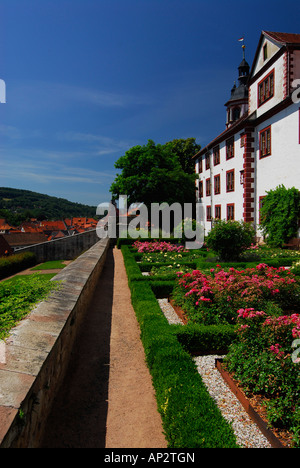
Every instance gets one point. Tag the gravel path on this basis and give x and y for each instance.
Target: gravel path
(247, 432)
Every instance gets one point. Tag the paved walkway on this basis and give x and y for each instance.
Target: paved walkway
(107, 399)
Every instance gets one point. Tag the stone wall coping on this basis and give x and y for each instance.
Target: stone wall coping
(37, 350)
(51, 241)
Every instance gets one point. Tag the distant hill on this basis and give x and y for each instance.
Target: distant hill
(18, 205)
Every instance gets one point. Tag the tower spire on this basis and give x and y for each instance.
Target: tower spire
(237, 106)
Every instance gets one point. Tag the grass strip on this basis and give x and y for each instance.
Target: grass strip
(51, 265)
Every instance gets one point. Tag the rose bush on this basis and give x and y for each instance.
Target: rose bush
(215, 297)
(261, 361)
(157, 246)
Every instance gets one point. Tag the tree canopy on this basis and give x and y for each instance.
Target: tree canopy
(156, 173)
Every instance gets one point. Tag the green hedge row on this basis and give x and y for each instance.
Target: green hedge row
(190, 417)
(148, 266)
(272, 262)
(14, 263)
(205, 339)
(278, 262)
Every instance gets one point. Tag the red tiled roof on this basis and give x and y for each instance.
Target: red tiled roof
(92, 221)
(24, 238)
(53, 226)
(31, 227)
(5, 248)
(284, 38)
(78, 221)
(4, 225)
(56, 235)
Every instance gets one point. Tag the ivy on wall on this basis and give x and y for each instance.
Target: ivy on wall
(280, 213)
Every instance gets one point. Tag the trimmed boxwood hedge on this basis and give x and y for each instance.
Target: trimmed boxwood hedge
(148, 266)
(190, 416)
(205, 339)
(272, 262)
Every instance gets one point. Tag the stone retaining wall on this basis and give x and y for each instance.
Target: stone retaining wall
(36, 355)
(65, 248)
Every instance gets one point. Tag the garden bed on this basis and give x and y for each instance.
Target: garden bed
(196, 336)
(254, 407)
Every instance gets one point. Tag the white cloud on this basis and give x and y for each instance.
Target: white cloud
(101, 145)
(10, 132)
(50, 95)
(41, 166)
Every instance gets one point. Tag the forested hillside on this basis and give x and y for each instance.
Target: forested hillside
(18, 205)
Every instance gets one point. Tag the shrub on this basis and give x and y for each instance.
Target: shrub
(295, 268)
(189, 230)
(202, 339)
(15, 263)
(280, 214)
(229, 239)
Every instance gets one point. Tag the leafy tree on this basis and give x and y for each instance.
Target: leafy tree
(155, 173)
(280, 214)
(185, 149)
(230, 238)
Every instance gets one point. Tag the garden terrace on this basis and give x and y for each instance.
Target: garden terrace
(190, 416)
(218, 330)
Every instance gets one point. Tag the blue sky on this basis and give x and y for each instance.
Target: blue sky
(88, 79)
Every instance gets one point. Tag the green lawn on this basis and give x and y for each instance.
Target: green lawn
(51, 265)
(19, 295)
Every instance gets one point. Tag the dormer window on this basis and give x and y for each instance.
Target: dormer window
(265, 52)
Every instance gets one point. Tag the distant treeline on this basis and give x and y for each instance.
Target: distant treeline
(18, 205)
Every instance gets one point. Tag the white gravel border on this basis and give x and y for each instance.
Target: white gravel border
(169, 312)
(247, 432)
